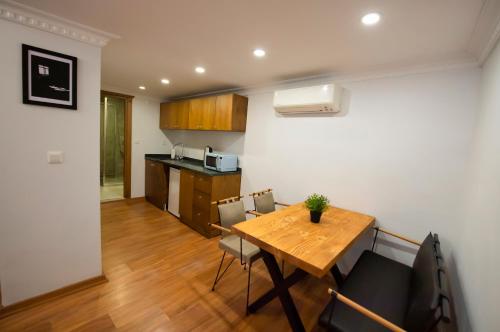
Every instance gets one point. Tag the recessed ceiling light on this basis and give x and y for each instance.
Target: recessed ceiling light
(259, 52)
(371, 19)
(165, 81)
(199, 70)
(142, 87)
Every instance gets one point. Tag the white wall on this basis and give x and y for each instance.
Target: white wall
(398, 151)
(477, 257)
(49, 214)
(147, 137)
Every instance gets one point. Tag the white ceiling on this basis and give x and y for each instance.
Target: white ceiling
(168, 38)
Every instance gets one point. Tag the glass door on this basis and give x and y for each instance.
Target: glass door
(112, 147)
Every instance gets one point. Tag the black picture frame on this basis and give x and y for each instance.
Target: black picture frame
(49, 78)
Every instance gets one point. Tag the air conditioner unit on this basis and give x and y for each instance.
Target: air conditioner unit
(324, 98)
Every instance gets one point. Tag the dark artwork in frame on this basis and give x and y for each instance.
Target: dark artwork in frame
(49, 78)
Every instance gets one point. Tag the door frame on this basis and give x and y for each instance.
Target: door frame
(127, 158)
(1, 305)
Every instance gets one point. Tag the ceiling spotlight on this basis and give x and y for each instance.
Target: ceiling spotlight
(142, 87)
(259, 52)
(165, 81)
(370, 19)
(199, 70)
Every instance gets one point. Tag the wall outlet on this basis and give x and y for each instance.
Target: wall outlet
(55, 157)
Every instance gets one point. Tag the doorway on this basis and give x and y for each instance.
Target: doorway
(115, 149)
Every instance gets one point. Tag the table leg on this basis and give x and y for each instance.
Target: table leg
(282, 292)
(337, 275)
(288, 282)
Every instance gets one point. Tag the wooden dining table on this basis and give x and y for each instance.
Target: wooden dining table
(313, 248)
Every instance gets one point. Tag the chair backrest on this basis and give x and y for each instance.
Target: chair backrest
(428, 299)
(231, 213)
(264, 203)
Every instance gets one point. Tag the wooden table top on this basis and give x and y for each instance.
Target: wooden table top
(290, 235)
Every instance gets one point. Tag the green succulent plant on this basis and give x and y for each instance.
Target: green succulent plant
(317, 202)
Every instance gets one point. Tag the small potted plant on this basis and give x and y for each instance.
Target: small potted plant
(317, 204)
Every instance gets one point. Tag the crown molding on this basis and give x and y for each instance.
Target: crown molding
(38, 19)
(457, 63)
(487, 31)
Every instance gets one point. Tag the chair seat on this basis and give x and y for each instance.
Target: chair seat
(379, 284)
(231, 244)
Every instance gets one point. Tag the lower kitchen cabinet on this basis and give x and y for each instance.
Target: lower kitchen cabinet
(198, 191)
(156, 186)
(186, 196)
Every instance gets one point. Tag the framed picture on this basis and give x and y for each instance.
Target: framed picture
(49, 78)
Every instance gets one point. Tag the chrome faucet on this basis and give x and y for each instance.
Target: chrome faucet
(178, 157)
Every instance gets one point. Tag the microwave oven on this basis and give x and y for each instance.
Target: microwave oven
(221, 162)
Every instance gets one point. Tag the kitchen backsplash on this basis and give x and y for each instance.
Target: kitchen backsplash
(195, 142)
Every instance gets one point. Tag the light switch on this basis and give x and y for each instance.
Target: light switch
(55, 157)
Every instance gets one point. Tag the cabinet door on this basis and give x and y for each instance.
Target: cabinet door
(148, 186)
(201, 113)
(174, 115)
(182, 113)
(230, 112)
(168, 115)
(223, 112)
(239, 113)
(186, 196)
(156, 190)
(201, 218)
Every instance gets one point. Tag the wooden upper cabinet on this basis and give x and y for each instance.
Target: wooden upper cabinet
(174, 115)
(202, 113)
(230, 112)
(222, 113)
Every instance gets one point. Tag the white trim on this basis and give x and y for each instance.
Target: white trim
(469, 62)
(487, 31)
(38, 19)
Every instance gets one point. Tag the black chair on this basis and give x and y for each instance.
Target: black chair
(380, 294)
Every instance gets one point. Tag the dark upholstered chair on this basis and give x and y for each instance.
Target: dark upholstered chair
(232, 211)
(380, 294)
(264, 202)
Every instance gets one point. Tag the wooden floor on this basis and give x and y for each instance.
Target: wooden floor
(160, 273)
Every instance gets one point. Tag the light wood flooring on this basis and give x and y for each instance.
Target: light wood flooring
(160, 274)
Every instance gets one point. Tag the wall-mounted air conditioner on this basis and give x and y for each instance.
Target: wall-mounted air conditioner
(324, 98)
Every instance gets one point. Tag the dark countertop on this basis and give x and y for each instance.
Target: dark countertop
(187, 163)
